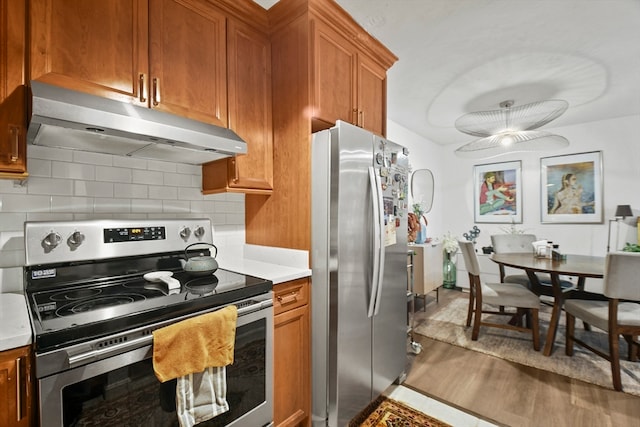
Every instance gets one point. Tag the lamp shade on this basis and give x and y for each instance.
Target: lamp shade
(623, 211)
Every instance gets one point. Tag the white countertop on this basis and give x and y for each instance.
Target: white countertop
(271, 263)
(15, 329)
(275, 264)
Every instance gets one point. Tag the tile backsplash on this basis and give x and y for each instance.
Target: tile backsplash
(68, 185)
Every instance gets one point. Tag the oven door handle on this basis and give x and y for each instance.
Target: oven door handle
(90, 355)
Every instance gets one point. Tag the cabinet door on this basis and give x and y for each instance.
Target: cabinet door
(249, 92)
(372, 96)
(291, 368)
(334, 76)
(15, 387)
(12, 91)
(188, 60)
(99, 47)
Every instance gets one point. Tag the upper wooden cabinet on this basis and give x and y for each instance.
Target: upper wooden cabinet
(164, 54)
(13, 114)
(249, 94)
(348, 84)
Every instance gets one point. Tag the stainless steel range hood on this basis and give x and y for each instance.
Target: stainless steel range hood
(73, 120)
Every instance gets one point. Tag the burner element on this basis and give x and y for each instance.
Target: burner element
(96, 303)
(76, 294)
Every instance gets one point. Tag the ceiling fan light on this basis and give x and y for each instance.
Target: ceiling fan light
(519, 118)
(524, 141)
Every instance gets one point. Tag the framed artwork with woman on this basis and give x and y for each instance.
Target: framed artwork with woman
(571, 188)
(497, 197)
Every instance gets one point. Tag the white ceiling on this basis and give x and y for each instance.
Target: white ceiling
(458, 56)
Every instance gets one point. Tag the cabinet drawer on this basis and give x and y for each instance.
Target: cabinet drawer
(290, 295)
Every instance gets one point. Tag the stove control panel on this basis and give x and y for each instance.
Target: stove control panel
(49, 242)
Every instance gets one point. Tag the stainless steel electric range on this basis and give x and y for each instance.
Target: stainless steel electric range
(93, 312)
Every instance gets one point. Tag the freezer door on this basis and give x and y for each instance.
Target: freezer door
(390, 322)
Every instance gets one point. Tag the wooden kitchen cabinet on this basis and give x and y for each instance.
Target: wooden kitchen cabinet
(292, 356)
(249, 79)
(13, 117)
(322, 65)
(348, 85)
(16, 390)
(427, 268)
(168, 55)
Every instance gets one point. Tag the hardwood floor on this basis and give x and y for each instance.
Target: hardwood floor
(508, 393)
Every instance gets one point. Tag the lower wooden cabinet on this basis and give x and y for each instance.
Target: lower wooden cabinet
(16, 389)
(292, 341)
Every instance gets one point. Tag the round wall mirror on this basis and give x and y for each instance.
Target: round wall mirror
(422, 188)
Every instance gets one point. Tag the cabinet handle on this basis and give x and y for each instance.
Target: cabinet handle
(354, 119)
(156, 91)
(236, 176)
(142, 88)
(286, 299)
(18, 389)
(14, 136)
(361, 119)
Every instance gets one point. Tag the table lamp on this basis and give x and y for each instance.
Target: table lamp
(622, 211)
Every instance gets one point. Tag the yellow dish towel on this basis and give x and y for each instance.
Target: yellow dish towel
(195, 344)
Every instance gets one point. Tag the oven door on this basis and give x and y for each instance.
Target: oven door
(123, 389)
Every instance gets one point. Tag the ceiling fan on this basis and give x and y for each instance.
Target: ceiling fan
(511, 129)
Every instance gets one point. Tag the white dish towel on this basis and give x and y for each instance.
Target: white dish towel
(201, 396)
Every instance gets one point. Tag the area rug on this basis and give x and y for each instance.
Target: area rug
(385, 412)
(449, 325)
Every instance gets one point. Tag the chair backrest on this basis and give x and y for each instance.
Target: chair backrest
(512, 243)
(470, 257)
(622, 275)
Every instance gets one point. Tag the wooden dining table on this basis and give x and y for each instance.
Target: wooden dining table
(580, 266)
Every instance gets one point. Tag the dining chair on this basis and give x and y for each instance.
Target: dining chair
(620, 315)
(522, 243)
(500, 295)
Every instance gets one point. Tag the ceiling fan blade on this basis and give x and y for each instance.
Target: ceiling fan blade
(521, 118)
(513, 142)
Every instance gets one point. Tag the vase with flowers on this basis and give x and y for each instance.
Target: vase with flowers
(450, 249)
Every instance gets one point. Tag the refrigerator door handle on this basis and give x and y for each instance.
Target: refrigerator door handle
(375, 204)
(381, 248)
(378, 242)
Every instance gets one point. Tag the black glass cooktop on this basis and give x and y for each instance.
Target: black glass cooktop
(72, 303)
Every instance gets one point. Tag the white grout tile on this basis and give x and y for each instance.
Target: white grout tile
(163, 192)
(189, 169)
(107, 205)
(113, 174)
(39, 167)
(48, 153)
(51, 186)
(146, 205)
(129, 162)
(156, 165)
(71, 204)
(46, 216)
(24, 203)
(175, 206)
(73, 170)
(130, 191)
(146, 177)
(93, 158)
(177, 180)
(190, 194)
(13, 187)
(12, 221)
(93, 189)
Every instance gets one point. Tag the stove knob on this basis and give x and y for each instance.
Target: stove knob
(75, 239)
(199, 231)
(185, 232)
(51, 240)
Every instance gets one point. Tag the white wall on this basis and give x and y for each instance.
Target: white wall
(453, 200)
(68, 185)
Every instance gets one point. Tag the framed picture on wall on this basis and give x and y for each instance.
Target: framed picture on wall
(571, 188)
(497, 192)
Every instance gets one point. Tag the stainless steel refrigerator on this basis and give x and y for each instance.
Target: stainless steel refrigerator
(359, 270)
